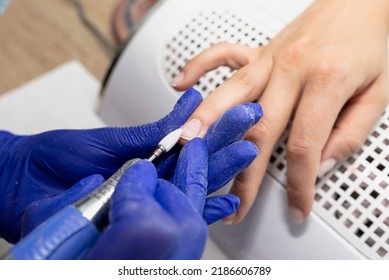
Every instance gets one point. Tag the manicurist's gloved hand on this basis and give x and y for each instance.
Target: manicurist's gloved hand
(36, 170)
(151, 218)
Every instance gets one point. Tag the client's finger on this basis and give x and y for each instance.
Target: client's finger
(354, 124)
(232, 55)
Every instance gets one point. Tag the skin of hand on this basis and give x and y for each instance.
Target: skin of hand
(327, 70)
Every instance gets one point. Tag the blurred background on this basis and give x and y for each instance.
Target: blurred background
(37, 36)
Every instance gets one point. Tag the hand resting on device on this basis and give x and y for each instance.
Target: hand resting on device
(327, 71)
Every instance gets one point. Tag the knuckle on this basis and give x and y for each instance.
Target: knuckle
(243, 79)
(294, 54)
(328, 71)
(295, 193)
(298, 147)
(192, 63)
(235, 64)
(261, 130)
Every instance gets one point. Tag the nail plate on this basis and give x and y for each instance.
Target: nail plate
(191, 129)
(178, 79)
(296, 215)
(229, 220)
(326, 165)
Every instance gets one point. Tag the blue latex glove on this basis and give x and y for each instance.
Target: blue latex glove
(150, 218)
(227, 157)
(149, 231)
(38, 170)
(40, 167)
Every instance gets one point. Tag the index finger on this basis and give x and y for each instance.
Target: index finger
(244, 86)
(221, 54)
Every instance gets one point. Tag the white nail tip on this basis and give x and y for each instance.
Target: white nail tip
(326, 166)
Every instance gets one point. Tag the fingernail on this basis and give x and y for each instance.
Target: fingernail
(178, 79)
(326, 165)
(229, 220)
(296, 215)
(191, 129)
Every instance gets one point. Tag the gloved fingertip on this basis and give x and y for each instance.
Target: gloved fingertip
(95, 179)
(195, 144)
(140, 177)
(250, 149)
(142, 166)
(181, 112)
(193, 91)
(232, 126)
(244, 152)
(190, 97)
(79, 190)
(228, 162)
(82, 188)
(254, 110)
(232, 201)
(220, 207)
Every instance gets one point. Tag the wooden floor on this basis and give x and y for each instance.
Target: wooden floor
(37, 36)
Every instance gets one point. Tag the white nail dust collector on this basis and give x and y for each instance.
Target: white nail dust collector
(350, 218)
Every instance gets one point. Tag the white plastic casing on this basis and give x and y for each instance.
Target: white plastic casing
(350, 219)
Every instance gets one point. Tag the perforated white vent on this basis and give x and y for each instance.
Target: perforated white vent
(354, 198)
(203, 31)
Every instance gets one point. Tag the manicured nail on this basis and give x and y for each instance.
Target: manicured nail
(178, 79)
(191, 129)
(296, 215)
(229, 220)
(325, 166)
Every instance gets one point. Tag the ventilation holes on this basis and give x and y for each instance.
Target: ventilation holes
(203, 31)
(354, 196)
